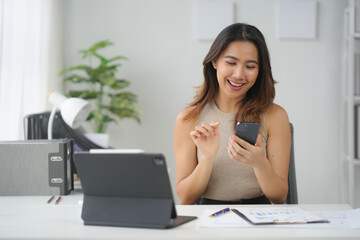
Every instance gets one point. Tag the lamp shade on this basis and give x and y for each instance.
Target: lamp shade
(74, 111)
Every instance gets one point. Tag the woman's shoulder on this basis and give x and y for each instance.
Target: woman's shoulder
(276, 114)
(183, 116)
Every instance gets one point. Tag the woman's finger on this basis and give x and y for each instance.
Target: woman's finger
(208, 128)
(236, 147)
(234, 155)
(244, 144)
(202, 130)
(194, 134)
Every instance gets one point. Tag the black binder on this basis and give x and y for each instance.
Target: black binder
(129, 190)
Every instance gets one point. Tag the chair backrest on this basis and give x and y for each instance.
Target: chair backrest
(292, 196)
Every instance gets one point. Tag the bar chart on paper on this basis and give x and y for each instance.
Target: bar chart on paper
(278, 215)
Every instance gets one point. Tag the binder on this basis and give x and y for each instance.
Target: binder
(289, 215)
(36, 167)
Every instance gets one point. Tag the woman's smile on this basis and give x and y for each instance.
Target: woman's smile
(235, 85)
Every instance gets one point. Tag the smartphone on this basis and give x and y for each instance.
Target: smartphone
(247, 131)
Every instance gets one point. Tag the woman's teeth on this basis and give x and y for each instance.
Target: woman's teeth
(236, 84)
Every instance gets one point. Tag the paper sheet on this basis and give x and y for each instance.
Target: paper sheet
(338, 219)
(272, 214)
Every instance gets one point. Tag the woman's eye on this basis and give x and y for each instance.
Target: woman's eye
(250, 67)
(231, 63)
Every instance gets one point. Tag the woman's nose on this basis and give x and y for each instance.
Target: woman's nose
(238, 73)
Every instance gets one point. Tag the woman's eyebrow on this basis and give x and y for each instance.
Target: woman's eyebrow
(236, 59)
(232, 57)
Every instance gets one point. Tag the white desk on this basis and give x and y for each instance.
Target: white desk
(33, 218)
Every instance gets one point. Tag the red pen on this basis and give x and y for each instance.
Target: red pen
(58, 200)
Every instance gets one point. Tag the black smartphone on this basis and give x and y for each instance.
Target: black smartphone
(247, 131)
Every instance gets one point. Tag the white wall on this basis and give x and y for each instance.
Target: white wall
(165, 63)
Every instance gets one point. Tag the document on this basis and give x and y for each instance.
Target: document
(278, 215)
(337, 219)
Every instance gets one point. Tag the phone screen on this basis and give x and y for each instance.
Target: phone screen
(247, 131)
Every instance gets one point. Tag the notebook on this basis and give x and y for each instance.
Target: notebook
(127, 189)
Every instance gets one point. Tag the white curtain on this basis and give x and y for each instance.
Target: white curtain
(30, 60)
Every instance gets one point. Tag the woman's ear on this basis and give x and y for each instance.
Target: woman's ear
(214, 64)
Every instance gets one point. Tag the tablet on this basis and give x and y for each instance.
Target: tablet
(127, 189)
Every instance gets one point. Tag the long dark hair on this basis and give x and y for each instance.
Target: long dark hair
(260, 96)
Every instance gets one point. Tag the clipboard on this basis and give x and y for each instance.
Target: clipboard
(290, 215)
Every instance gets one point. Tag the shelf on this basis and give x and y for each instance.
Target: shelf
(355, 162)
(356, 35)
(348, 117)
(357, 99)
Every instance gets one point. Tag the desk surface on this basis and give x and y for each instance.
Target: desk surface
(33, 218)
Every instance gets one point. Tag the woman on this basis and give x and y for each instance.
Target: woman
(214, 165)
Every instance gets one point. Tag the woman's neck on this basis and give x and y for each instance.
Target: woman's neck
(227, 105)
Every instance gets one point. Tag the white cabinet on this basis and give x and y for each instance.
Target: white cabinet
(350, 116)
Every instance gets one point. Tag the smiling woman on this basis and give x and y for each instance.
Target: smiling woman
(214, 165)
(237, 70)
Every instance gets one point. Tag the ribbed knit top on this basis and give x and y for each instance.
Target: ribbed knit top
(230, 180)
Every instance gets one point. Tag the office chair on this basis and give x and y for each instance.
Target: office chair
(292, 197)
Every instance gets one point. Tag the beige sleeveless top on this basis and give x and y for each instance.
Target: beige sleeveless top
(229, 180)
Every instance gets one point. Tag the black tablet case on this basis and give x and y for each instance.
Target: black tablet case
(130, 190)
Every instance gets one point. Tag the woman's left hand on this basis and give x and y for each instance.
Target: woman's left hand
(246, 153)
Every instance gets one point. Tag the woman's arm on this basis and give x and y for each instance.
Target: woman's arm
(192, 177)
(271, 172)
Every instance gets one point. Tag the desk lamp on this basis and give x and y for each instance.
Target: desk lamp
(74, 111)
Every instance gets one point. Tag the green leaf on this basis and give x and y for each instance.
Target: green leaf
(108, 119)
(83, 94)
(125, 105)
(111, 68)
(97, 116)
(116, 58)
(100, 44)
(90, 117)
(126, 113)
(78, 67)
(119, 97)
(107, 79)
(120, 84)
(95, 47)
(101, 58)
(76, 79)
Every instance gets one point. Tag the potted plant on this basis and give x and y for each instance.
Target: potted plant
(104, 89)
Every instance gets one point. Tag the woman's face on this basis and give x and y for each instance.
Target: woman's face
(237, 69)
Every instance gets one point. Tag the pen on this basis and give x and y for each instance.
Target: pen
(58, 200)
(50, 199)
(225, 210)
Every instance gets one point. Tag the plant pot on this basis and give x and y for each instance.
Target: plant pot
(101, 139)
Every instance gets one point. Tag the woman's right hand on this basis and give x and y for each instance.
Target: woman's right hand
(207, 139)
